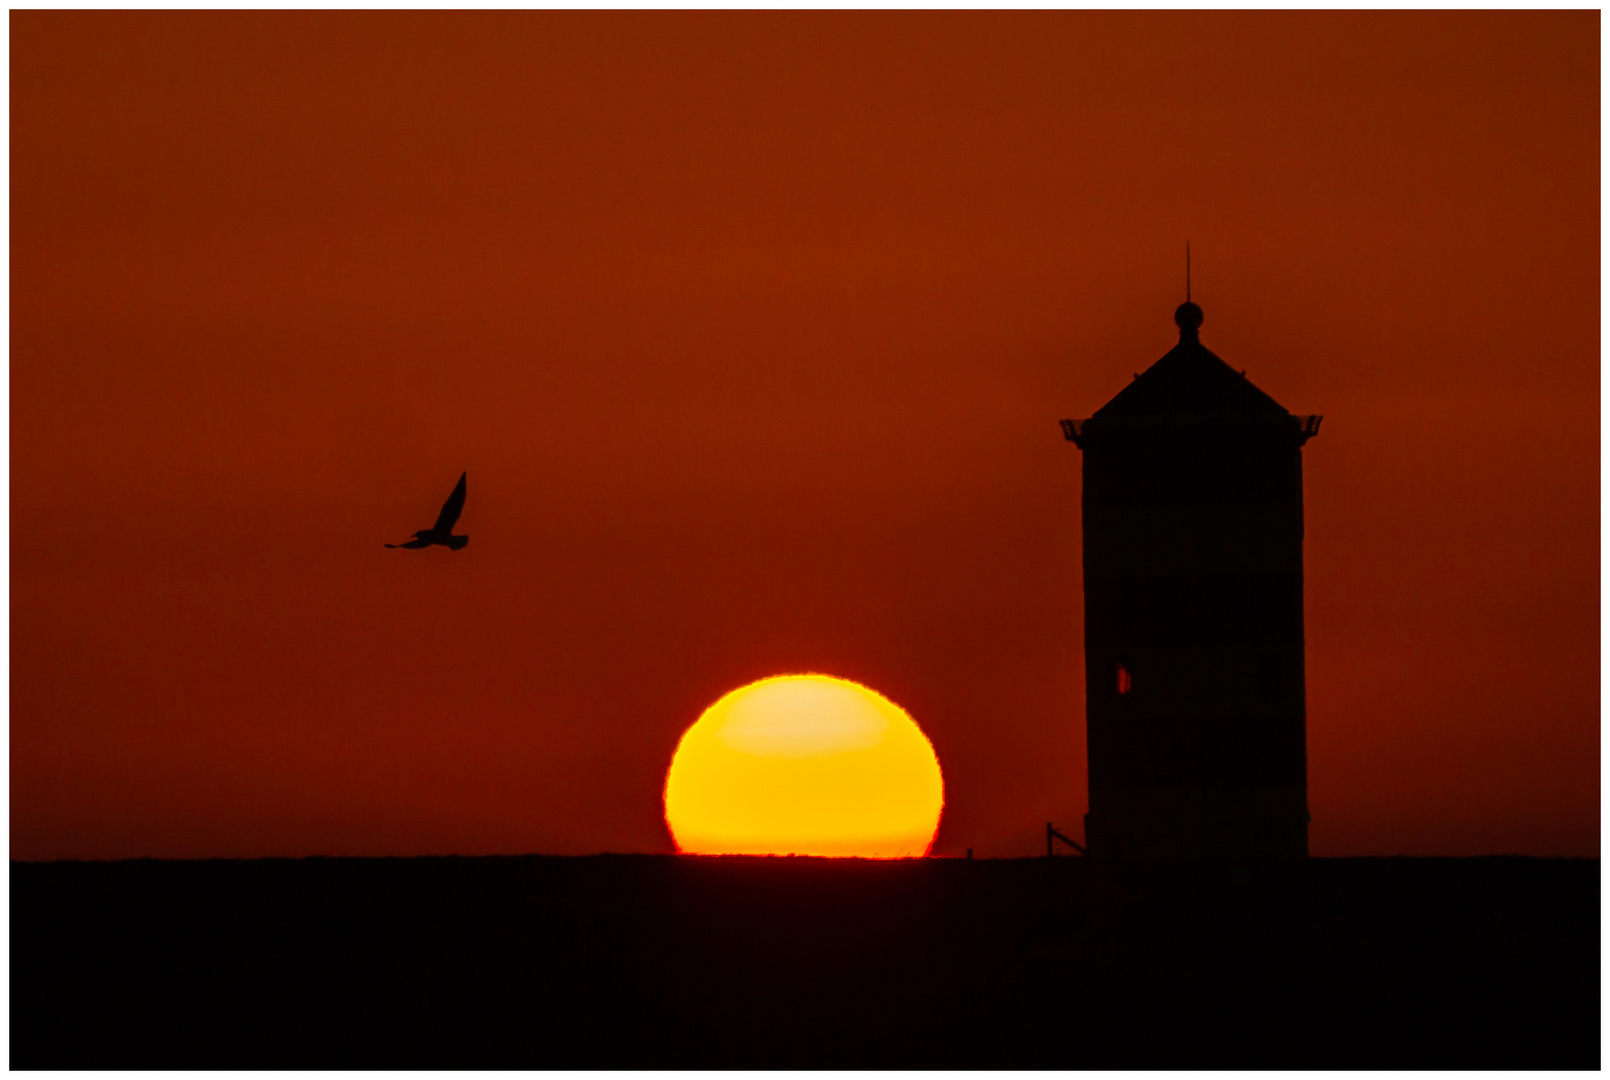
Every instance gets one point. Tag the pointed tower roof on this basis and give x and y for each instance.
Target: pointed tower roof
(1190, 385)
(1190, 381)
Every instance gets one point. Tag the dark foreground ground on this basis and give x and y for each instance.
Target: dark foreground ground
(651, 961)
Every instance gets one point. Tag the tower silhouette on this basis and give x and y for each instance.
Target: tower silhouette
(1195, 701)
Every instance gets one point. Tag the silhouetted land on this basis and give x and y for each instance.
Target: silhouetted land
(659, 961)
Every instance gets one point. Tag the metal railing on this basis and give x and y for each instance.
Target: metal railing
(1074, 430)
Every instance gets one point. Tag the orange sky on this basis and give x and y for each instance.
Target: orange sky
(752, 332)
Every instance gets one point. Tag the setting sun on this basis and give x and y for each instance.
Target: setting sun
(804, 765)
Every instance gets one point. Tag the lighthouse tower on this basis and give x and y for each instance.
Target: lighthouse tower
(1193, 580)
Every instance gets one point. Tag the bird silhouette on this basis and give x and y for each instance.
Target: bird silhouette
(442, 531)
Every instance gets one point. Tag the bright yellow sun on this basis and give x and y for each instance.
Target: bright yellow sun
(804, 765)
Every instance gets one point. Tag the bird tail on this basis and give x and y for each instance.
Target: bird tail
(457, 542)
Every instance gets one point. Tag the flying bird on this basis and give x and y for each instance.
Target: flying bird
(442, 531)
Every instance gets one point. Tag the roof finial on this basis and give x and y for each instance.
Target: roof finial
(1188, 317)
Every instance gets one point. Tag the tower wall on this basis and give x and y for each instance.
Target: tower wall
(1195, 697)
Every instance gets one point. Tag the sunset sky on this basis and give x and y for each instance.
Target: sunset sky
(752, 331)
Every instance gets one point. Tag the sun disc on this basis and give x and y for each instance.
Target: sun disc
(804, 765)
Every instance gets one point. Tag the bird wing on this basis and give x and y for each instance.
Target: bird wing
(453, 507)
